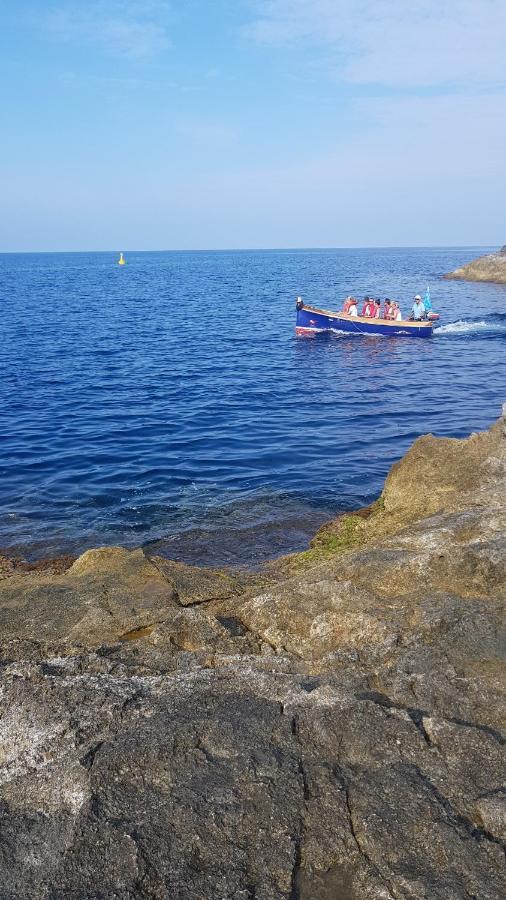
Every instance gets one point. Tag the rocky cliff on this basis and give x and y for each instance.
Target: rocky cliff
(328, 729)
(491, 267)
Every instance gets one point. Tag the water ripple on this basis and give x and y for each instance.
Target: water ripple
(170, 402)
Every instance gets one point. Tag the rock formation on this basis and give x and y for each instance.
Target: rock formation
(491, 267)
(328, 729)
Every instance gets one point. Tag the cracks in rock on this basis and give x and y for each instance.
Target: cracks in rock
(140, 631)
(339, 775)
(294, 726)
(455, 819)
(492, 732)
(494, 792)
(189, 604)
(299, 836)
(341, 779)
(95, 807)
(89, 758)
(351, 822)
(106, 597)
(417, 715)
(176, 594)
(205, 752)
(297, 862)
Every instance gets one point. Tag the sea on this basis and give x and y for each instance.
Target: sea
(169, 404)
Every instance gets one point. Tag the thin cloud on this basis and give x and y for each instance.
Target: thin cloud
(210, 135)
(394, 43)
(137, 31)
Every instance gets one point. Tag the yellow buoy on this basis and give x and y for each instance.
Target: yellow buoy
(121, 260)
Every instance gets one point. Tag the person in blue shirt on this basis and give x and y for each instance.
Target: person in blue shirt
(418, 309)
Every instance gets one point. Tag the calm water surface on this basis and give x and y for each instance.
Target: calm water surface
(169, 402)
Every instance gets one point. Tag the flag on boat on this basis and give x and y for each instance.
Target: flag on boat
(426, 300)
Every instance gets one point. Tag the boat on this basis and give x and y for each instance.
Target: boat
(312, 321)
(121, 260)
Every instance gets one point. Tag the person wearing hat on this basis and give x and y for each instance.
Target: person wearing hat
(418, 309)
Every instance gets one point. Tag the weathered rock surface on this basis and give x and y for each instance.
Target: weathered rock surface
(491, 267)
(328, 729)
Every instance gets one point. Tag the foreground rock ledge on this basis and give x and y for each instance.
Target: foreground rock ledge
(327, 730)
(491, 267)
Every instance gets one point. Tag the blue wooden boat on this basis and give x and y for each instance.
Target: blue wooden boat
(311, 321)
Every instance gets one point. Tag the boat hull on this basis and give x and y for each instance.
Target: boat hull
(312, 321)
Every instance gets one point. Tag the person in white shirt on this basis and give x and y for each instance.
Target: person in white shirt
(418, 309)
(352, 309)
(396, 315)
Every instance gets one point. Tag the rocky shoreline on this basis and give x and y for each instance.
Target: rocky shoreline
(329, 727)
(491, 267)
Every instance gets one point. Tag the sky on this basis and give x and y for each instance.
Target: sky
(186, 124)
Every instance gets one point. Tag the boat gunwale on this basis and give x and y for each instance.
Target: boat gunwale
(410, 323)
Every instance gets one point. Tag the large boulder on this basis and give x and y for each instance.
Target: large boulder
(491, 267)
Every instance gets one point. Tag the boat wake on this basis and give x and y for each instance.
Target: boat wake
(466, 327)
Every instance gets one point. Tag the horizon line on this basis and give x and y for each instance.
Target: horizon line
(263, 249)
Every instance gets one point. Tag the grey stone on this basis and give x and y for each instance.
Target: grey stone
(328, 729)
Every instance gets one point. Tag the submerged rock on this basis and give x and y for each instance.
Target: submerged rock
(327, 728)
(491, 267)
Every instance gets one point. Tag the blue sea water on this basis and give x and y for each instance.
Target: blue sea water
(169, 403)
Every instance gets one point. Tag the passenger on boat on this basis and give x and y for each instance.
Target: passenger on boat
(377, 305)
(347, 303)
(352, 309)
(418, 311)
(368, 308)
(393, 312)
(386, 309)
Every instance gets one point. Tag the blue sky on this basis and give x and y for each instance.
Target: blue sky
(252, 123)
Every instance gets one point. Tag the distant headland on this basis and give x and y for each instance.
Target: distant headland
(491, 267)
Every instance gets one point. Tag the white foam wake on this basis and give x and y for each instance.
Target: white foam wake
(462, 326)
